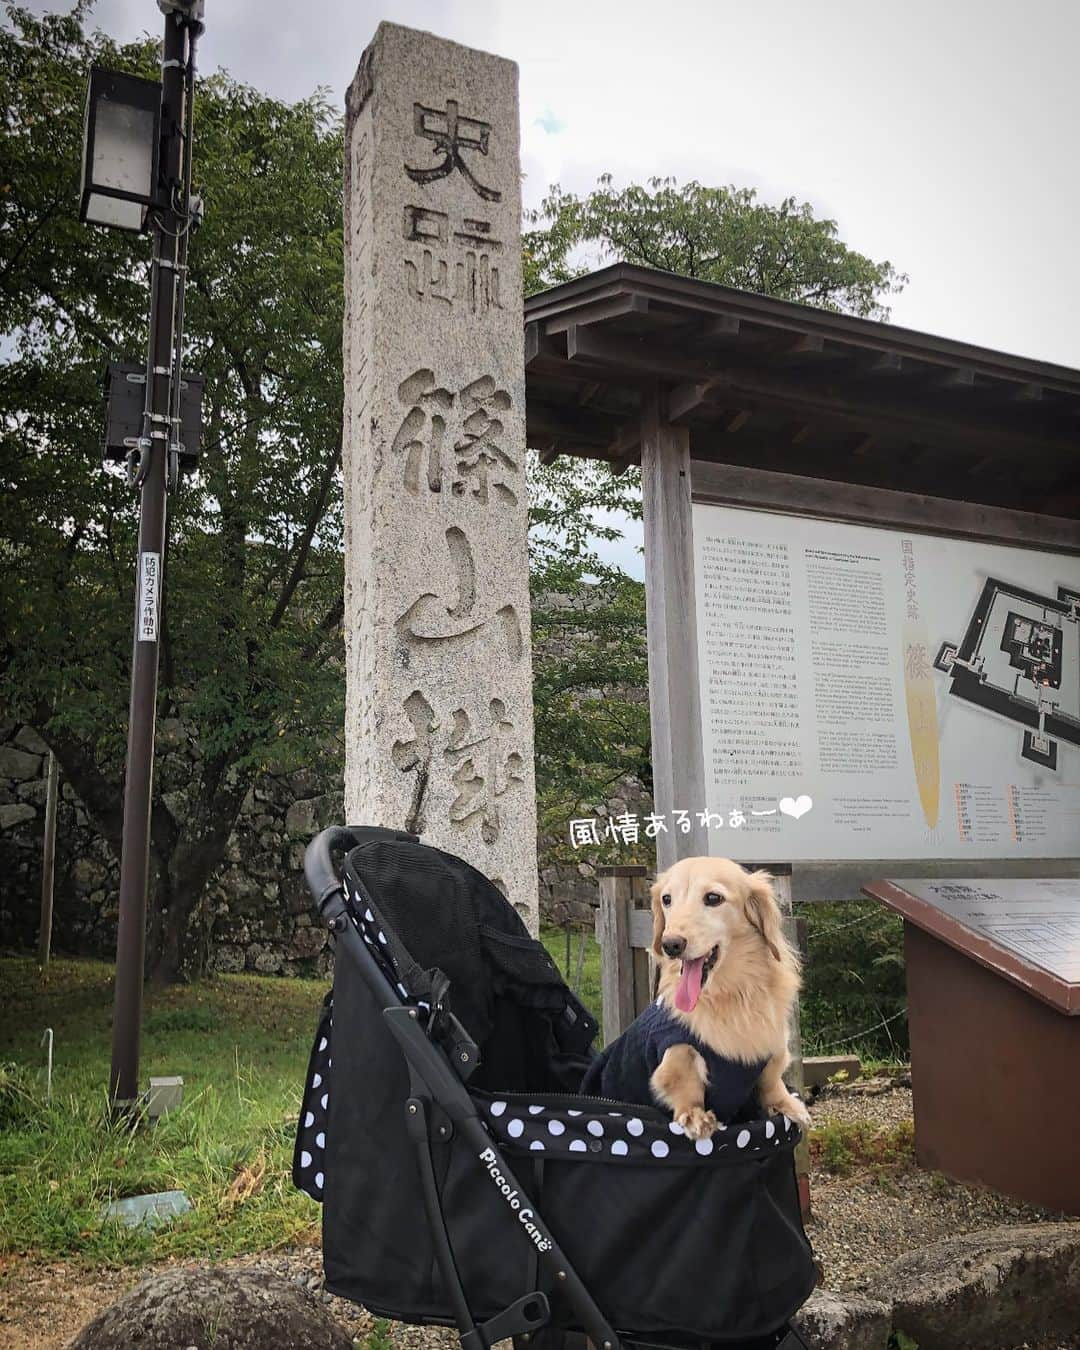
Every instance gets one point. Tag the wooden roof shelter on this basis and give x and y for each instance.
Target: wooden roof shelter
(782, 387)
(738, 399)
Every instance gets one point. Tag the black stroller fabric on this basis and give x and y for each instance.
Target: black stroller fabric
(672, 1238)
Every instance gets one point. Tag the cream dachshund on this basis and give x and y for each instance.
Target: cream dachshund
(719, 1028)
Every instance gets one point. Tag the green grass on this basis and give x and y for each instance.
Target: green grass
(241, 1043)
(554, 939)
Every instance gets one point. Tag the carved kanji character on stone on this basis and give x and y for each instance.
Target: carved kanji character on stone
(416, 753)
(480, 461)
(478, 453)
(425, 226)
(486, 768)
(422, 428)
(453, 614)
(415, 756)
(451, 133)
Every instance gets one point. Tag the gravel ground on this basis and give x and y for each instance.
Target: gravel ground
(860, 1224)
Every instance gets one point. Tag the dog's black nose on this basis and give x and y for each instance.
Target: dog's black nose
(674, 946)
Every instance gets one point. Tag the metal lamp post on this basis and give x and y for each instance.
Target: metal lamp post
(137, 176)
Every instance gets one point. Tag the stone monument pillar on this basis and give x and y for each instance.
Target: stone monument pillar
(439, 728)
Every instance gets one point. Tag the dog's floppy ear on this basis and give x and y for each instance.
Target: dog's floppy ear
(762, 911)
(656, 891)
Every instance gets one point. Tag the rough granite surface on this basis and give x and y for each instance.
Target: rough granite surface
(208, 1308)
(989, 1290)
(439, 734)
(832, 1321)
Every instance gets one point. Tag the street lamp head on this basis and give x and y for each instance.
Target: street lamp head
(191, 10)
(120, 149)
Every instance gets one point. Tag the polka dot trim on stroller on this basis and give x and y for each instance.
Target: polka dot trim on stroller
(309, 1167)
(630, 1135)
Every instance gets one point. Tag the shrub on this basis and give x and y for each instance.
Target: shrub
(841, 1146)
(854, 994)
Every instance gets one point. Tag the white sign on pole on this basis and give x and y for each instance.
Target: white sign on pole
(149, 592)
(870, 693)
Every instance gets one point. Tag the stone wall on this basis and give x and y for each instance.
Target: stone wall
(569, 890)
(257, 913)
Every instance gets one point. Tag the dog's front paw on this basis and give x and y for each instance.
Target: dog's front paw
(785, 1104)
(697, 1123)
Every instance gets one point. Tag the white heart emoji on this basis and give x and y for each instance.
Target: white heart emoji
(795, 806)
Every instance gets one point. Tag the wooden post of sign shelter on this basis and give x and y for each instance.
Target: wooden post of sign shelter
(678, 761)
(624, 935)
(795, 1079)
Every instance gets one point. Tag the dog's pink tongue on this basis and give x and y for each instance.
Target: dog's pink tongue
(689, 987)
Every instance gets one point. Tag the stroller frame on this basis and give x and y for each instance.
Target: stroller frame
(436, 1079)
(438, 1105)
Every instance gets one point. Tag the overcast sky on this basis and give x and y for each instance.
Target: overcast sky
(939, 134)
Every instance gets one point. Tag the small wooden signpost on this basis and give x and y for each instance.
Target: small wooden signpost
(624, 935)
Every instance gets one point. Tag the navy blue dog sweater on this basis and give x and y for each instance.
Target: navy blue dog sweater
(623, 1069)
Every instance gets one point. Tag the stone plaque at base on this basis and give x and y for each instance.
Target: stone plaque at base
(994, 1017)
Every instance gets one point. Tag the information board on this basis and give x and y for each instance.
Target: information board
(869, 693)
(1037, 920)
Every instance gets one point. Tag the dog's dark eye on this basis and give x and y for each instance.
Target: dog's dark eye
(713, 898)
(665, 900)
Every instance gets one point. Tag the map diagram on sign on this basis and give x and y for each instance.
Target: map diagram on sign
(824, 672)
(1020, 659)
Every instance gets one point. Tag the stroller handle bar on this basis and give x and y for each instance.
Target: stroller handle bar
(320, 872)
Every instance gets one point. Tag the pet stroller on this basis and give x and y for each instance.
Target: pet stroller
(464, 1181)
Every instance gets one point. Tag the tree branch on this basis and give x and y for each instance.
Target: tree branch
(303, 547)
(99, 795)
(330, 620)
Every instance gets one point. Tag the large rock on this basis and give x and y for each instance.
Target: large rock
(1001, 1287)
(312, 814)
(18, 764)
(87, 874)
(208, 1309)
(28, 739)
(17, 814)
(829, 1321)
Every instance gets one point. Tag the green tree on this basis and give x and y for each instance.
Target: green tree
(721, 234)
(253, 572)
